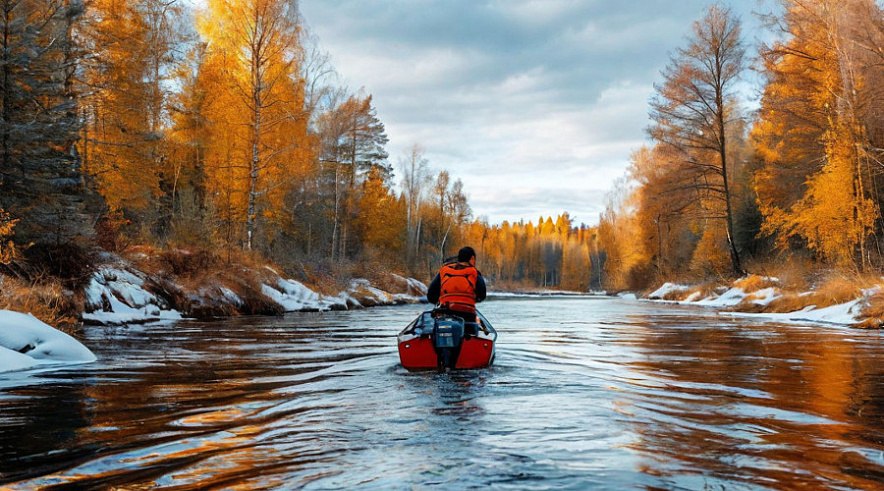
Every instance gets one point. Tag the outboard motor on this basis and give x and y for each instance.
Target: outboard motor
(448, 338)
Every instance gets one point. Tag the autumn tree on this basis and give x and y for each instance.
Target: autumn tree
(353, 142)
(620, 237)
(450, 212)
(188, 207)
(663, 205)
(127, 90)
(7, 230)
(259, 139)
(554, 254)
(380, 221)
(695, 105)
(816, 177)
(415, 179)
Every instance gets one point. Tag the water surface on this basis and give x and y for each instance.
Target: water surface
(585, 393)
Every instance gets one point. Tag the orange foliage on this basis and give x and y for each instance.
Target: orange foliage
(710, 256)
(553, 255)
(7, 248)
(258, 146)
(123, 141)
(381, 219)
(811, 183)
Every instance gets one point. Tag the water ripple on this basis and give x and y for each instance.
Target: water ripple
(585, 394)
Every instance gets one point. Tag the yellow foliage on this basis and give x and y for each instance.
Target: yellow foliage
(834, 216)
(122, 137)
(7, 249)
(810, 183)
(711, 256)
(258, 146)
(381, 218)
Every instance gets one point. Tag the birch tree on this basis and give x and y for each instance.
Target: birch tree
(415, 179)
(255, 49)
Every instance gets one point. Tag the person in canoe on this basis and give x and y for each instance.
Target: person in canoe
(458, 286)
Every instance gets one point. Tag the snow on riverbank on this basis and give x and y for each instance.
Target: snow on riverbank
(755, 296)
(26, 342)
(118, 293)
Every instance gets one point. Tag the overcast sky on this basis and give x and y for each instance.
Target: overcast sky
(535, 104)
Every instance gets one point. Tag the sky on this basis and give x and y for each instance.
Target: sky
(536, 105)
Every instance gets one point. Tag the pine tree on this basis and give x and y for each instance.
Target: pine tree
(40, 177)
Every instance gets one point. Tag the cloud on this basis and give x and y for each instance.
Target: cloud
(536, 105)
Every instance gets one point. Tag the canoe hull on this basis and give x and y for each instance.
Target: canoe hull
(423, 347)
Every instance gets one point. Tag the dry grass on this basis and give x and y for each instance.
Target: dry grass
(840, 288)
(184, 275)
(794, 272)
(47, 301)
(753, 283)
(835, 288)
(873, 312)
(788, 302)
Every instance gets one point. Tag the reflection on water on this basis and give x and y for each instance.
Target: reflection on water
(585, 393)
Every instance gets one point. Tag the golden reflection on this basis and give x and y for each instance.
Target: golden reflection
(773, 404)
(224, 415)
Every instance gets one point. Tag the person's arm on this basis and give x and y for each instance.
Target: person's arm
(434, 290)
(480, 288)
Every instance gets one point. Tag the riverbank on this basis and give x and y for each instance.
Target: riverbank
(147, 285)
(840, 301)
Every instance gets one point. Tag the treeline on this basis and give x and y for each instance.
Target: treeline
(552, 254)
(720, 188)
(144, 122)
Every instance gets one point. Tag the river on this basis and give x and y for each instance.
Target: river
(585, 393)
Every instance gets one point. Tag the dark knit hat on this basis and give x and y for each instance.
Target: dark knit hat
(465, 254)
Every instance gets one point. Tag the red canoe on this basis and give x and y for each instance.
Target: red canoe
(440, 342)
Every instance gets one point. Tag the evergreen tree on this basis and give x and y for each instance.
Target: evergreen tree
(41, 183)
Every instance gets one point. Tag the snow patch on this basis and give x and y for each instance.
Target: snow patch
(119, 294)
(116, 295)
(666, 289)
(842, 314)
(26, 342)
(730, 298)
(368, 295)
(292, 295)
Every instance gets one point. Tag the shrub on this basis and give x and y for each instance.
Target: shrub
(7, 247)
(48, 301)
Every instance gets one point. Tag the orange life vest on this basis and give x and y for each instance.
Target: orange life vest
(458, 287)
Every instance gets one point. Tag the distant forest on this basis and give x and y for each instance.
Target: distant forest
(130, 124)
